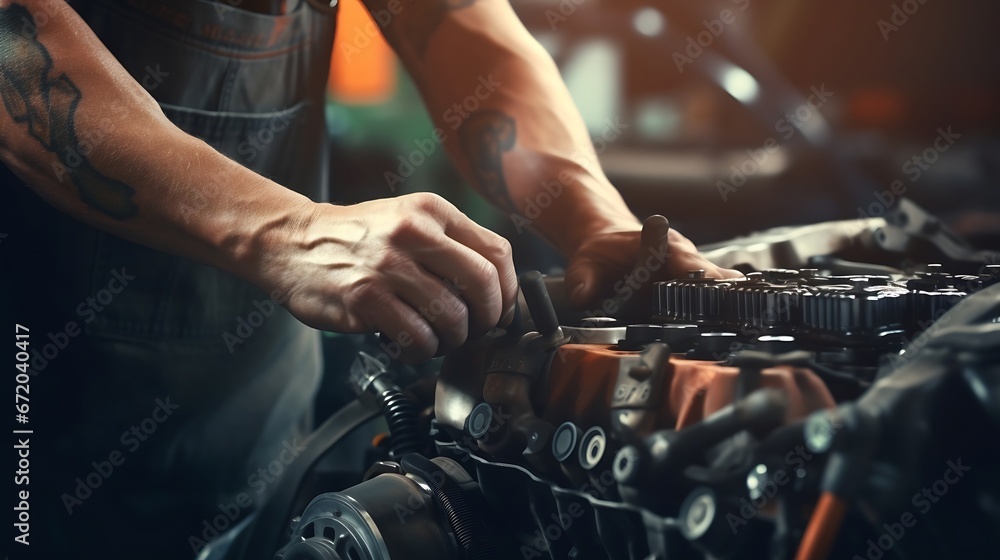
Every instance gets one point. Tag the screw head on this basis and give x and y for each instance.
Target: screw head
(697, 513)
(819, 432)
(757, 480)
(480, 420)
(626, 465)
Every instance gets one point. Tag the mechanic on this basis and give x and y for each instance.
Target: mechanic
(148, 184)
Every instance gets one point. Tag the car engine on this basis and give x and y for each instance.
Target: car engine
(840, 401)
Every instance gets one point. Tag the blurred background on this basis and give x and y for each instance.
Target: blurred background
(740, 114)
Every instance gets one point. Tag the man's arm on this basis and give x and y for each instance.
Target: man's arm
(90, 141)
(526, 132)
(527, 128)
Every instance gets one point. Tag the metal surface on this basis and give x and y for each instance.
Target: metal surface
(733, 463)
(387, 517)
(791, 247)
(602, 335)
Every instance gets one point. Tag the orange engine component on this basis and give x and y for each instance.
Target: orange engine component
(583, 377)
(584, 384)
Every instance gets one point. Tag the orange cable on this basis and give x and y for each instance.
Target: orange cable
(823, 527)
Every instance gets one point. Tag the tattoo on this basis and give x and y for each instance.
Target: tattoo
(485, 136)
(47, 104)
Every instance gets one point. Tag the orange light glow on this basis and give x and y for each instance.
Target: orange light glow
(363, 67)
(877, 107)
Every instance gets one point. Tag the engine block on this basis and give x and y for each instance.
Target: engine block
(794, 413)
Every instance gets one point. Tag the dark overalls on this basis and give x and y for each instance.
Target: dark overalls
(185, 389)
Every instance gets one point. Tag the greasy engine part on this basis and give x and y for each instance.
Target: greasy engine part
(792, 414)
(851, 323)
(772, 464)
(860, 309)
(419, 509)
(510, 377)
(670, 374)
(694, 419)
(888, 245)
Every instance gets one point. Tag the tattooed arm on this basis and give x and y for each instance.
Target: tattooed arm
(515, 133)
(89, 140)
(524, 128)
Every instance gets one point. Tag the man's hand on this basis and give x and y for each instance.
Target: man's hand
(525, 140)
(620, 262)
(412, 267)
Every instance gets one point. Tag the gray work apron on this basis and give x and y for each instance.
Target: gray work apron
(218, 380)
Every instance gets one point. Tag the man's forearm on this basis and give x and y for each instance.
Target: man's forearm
(526, 137)
(391, 266)
(87, 138)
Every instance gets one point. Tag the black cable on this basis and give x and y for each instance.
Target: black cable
(404, 426)
(373, 384)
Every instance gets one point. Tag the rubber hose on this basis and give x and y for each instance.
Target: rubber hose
(470, 531)
(404, 427)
